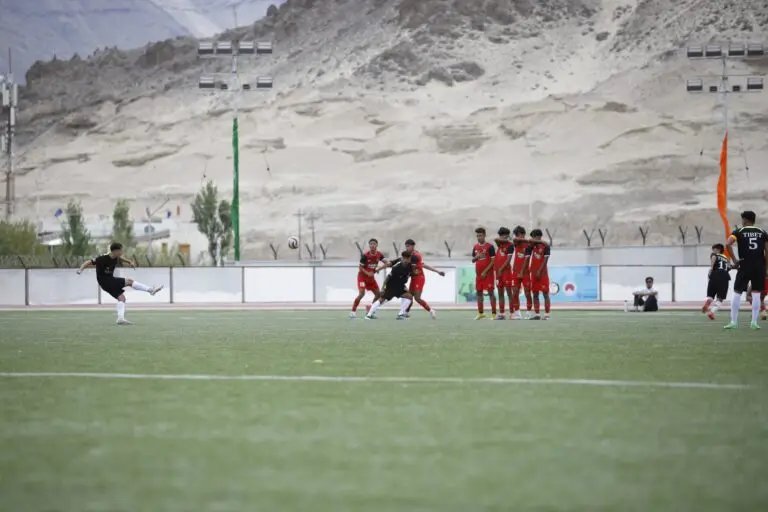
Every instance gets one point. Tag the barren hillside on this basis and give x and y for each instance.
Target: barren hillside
(418, 118)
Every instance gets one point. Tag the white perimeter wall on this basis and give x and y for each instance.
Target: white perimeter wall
(296, 284)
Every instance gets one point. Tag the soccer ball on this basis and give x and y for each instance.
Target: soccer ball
(293, 242)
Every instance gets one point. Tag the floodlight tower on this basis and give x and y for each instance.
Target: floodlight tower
(9, 100)
(231, 83)
(725, 85)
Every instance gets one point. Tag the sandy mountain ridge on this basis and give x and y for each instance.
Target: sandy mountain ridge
(418, 118)
(40, 29)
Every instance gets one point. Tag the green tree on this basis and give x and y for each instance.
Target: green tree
(213, 219)
(122, 224)
(19, 239)
(76, 237)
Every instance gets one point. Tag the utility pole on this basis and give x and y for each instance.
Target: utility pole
(312, 218)
(725, 84)
(299, 216)
(9, 91)
(230, 83)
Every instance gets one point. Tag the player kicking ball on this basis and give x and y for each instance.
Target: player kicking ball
(717, 285)
(105, 269)
(395, 286)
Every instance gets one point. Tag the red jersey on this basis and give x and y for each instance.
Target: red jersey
(518, 261)
(484, 255)
(370, 260)
(418, 266)
(505, 248)
(538, 252)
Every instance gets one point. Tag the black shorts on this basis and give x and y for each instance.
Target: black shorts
(746, 275)
(717, 288)
(394, 289)
(112, 285)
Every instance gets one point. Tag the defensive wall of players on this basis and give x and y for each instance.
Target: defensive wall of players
(332, 284)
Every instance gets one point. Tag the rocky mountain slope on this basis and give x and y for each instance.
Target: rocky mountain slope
(41, 29)
(418, 118)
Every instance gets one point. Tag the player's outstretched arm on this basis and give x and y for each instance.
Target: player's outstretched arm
(86, 264)
(434, 270)
(126, 261)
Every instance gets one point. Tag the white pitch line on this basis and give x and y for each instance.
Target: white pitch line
(396, 380)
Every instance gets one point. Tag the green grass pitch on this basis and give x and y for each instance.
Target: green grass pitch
(583, 415)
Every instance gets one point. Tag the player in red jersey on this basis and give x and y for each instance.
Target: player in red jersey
(418, 279)
(537, 260)
(520, 278)
(483, 255)
(503, 269)
(366, 274)
(763, 309)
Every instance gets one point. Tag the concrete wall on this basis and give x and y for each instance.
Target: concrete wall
(330, 284)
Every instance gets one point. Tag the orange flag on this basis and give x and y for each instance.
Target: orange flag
(722, 186)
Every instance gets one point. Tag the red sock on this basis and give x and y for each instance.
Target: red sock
(480, 307)
(536, 304)
(355, 304)
(423, 304)
(493, 304)
(547, 304)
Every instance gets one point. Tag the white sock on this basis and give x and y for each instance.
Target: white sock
(141, 287)
(374, 308)
(120, 310)
(735, 305)
(755, 306)
(715, 306)
(404, 303)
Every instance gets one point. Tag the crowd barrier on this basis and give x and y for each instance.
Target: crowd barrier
(330, 285)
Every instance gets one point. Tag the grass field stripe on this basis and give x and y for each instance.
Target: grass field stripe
(394, 380)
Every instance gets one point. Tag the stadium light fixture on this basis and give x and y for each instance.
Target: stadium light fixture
(755, 84)
(695, 85)
(207, 82)
(224, 48)
(737, 50)
(713, 51)
(755, 50)
(205, 49)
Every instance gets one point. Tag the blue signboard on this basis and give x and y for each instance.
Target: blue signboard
(578, 283)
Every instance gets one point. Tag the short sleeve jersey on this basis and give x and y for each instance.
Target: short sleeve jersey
(370, 260)
(105, 266)
(401, 272)
(751, 242)
(538, 253)
(521, 248)
(720, 266)
(484, 254)
(503, 251)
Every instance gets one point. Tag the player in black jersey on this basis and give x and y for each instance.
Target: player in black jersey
(394, 285)
(752, 244)
(105, 269)
(717, 287)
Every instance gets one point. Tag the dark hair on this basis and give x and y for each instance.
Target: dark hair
(519, 230)
(410, 242)
(749, 216)
(503, 231)
(373, 240)
(480, 231)
(536, 232)
(649, 278)
(721, 247)
(115, 246)
(406, 254)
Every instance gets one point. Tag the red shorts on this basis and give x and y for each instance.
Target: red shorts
(504, 281)
(367, 283)
(524, 282)
(417, 283)
(485, 284)
(540, 285)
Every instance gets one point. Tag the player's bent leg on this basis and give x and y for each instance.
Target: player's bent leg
(356, 303)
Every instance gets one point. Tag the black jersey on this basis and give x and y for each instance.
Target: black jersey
(400, 271)
(105, 266)
(720, 267)
(751, 242)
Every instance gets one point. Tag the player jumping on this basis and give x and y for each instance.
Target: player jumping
(394, 285)
(503, 270)
(752, 244)
(483, 255)
(537, 260)
(717, 285)
(418, 279)
(521, 280)
(105, 268)
(366, 274)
